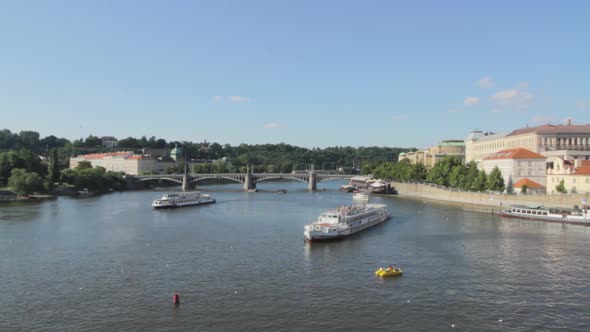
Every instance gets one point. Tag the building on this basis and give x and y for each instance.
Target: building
(566, 141)
(109, 142)
(124, 161)
(575, 175)
(516, 165)
(532, 187)
(176, 153)
(432, 155)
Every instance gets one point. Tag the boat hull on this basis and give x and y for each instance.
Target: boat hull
(546, 219)
(336, 237)
(174, 206)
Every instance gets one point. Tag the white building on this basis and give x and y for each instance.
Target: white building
(517, 164)
(575, 175)
(124, 161)
(566, 141)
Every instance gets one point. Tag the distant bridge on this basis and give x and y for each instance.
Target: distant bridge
(249, 180)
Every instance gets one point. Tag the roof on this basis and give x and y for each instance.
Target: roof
(529, 183)
(453, 143)
(553, 129)
(582, 170)
(518, 153)
(123, 154)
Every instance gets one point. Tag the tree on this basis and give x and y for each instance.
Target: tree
(495, 180)
(524, 189)
(5, 168)
(561, 187)
(23, 182)
(84, 164)
(509, 186)
(480, 182)
(53, 168)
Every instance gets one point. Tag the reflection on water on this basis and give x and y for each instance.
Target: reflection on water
(242, 264)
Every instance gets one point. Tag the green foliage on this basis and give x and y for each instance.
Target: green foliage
(24, 182)
(441, 172)
(524, 189)
(495, 180)
(561, 187)
(94, 179)
(84, 164)
(53, 172)
(5, 169)
(480, 182)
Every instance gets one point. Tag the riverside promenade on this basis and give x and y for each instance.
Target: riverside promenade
(486, 202)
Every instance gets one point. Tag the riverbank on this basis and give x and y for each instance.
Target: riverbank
(485, 202)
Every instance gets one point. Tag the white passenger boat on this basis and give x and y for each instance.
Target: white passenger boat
(182, 199)
(569, 216)
(360, 197)
(345, 221)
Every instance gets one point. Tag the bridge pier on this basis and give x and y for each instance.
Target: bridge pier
(248, 183)
(312, 184)
(186, 185)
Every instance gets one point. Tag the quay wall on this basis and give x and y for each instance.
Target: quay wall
(486, 202)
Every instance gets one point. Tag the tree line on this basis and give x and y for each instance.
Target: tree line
(449, 172)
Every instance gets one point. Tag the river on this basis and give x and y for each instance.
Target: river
(112, 263)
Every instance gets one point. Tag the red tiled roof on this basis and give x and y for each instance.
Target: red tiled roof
(582, 170)
(553, 129)
(103, 155)
(529, 183)
(519, 153)
(585, 162)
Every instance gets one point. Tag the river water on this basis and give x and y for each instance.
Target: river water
(111, 263)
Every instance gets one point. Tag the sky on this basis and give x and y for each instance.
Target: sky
(307, 73)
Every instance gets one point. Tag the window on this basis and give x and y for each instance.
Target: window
(587, 180)
(573, 180)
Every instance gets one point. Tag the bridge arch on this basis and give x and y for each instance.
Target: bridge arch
(217, 178)
(161, 179)
(280, 178)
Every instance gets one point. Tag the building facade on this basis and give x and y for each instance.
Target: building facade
(516, 165)
(124, 161)
(565, 141)
(575, 175)
(432, 155)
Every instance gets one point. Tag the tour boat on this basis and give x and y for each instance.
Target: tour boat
(360, 196)
(345, 221)
(182, 199)
(569, 216)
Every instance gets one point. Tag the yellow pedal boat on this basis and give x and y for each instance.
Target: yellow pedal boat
(388, 272)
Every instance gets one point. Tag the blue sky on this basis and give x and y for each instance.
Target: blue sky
(308, 73)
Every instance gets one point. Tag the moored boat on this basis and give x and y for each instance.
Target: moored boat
(345, 221)
(182, 199)
(575, 216)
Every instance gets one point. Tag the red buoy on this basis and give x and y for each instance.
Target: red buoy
(176, 299)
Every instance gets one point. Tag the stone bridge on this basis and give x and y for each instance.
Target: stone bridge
(249, 180)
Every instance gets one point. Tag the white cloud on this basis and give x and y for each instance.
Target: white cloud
(513, 97)
(522, 85)
(271, 125)
(583, 105)
(238, 99)
(217, 98)
(455, 111)
(470, 101)
(486, 82)
(399, 117)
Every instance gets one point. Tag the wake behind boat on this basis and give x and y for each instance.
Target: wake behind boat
(345, 221)
(182, 199)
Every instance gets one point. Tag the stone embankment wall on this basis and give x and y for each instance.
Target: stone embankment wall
(486, 202)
